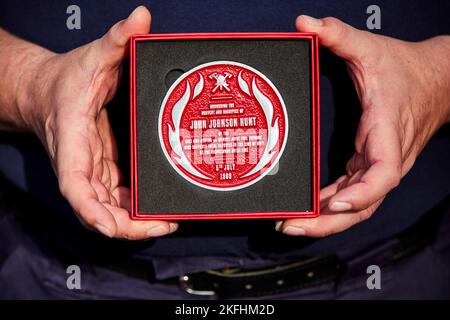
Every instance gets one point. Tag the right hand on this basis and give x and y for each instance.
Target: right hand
(404, 90)
(67, 112)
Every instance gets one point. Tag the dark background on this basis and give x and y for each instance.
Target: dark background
(287, 65)
(24, 162)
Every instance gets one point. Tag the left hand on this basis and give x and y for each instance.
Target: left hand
(67, 112)
(404, 90)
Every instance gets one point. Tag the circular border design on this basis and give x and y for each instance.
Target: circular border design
(174, 165)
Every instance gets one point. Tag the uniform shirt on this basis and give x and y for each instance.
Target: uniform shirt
(202, 245)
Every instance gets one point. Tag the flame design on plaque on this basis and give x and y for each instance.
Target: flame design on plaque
(223, 126)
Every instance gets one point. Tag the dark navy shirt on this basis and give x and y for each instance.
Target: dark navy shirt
(24, 162)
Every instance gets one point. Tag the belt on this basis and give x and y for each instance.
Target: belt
(235, 283)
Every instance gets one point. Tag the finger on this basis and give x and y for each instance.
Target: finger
(103, 194)
(383, 153)
(76, 188)
(122, 196)
(355, 163)
(106, 175)
(327, 223)
(114, 43)
(107, 136)
(331, 190)
(112, 180)
(74, 171)
(352, 179)
(116, 175)
(139, 230)
(325, 194)
(342, 39)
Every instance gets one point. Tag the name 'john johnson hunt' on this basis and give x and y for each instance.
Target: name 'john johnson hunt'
(223, 123)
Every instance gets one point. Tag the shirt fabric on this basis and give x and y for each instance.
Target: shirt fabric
(200, 245)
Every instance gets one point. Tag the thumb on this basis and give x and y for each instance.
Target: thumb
(114, 44)
(342, 39)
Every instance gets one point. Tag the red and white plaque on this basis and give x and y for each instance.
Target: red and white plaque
(223, 125)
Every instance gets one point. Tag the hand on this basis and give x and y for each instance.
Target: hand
(404, 90)
(70, 118)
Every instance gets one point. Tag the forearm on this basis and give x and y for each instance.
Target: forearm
(446, 55)
(438, 59)
(19, 69)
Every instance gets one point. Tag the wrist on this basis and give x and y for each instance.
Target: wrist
(33, 90)
(439, 48)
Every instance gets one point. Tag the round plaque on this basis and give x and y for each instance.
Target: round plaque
(223, 125)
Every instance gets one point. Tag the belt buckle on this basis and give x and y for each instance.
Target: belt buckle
(186, 285)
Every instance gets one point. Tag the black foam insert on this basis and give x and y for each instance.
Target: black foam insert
(286, 63)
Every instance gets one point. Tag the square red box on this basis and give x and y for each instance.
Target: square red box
(315, 126)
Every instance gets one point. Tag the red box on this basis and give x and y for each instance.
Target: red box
(315, 126)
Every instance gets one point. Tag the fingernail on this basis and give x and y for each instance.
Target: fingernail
(157, 231)
(173, 227)
(311, 21)
(294, 231)
(340, 206)
(278, 225)
(103, 230)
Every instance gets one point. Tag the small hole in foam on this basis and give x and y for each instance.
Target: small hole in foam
(172, 76)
